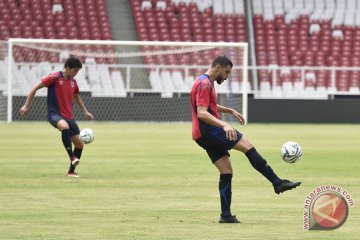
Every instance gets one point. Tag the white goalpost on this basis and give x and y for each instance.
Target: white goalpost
(121, 80)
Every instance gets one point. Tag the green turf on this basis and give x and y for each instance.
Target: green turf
(151, 181)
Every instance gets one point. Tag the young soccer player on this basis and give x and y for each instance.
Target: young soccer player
(217, 136)
(62, 90)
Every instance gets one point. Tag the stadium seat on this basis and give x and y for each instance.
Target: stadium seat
(178, 81)
(156, 85)
(118, 84)
(166, 81)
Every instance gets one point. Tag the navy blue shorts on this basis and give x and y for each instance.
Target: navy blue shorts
(73, 127)
(216, 144)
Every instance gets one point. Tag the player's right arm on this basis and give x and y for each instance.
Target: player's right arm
(206, 117)
(80, 103)
(233, 112)
(24, 109)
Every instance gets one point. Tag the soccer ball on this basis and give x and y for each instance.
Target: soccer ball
(87, 135)
(290, 152)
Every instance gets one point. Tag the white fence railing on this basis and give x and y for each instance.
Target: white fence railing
(280, 82)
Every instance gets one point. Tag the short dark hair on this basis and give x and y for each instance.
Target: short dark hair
(72, 62)
(222, 61)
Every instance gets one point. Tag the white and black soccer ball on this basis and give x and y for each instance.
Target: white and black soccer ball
(87, 135)
(290, 152)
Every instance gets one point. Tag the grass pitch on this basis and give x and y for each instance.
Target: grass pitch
(151, 181)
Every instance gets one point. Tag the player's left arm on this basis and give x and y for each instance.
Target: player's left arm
(80, 103)
(233, 112)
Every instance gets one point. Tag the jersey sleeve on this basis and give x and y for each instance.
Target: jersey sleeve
(48, 80)
(203, 94)
(77, 91)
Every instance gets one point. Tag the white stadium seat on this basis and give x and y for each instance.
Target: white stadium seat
(155, 81)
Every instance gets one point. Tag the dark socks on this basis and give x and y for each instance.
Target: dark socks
(65, 135)
(77, 154)
(261, 166)
(225, 193)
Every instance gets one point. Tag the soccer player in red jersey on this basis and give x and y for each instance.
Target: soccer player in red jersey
(218, 137)
(62, 90)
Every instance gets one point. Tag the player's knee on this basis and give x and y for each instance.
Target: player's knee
(62, 125)
(224, 165)
(249, 144)
(77, 142)
(243, 145)
(227, 170)
(79, 145)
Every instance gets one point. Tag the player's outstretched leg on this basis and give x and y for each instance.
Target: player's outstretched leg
(260, 164)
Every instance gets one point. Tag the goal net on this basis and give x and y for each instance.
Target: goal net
(120, 80)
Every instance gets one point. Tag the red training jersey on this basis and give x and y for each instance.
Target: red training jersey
(202, 94)
(60, 94)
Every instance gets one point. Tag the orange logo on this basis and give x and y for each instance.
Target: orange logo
(326, 208)
(330, 210)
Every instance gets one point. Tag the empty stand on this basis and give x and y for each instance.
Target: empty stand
(309, 33)
(60, 19)
(186, 20)
(53, 19)
(189, 20)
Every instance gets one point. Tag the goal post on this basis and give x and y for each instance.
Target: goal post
(123, 80)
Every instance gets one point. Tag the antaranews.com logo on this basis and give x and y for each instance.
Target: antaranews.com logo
(326, 208)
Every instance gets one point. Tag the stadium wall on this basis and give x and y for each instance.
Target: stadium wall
(338, 110)
(152, 107)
